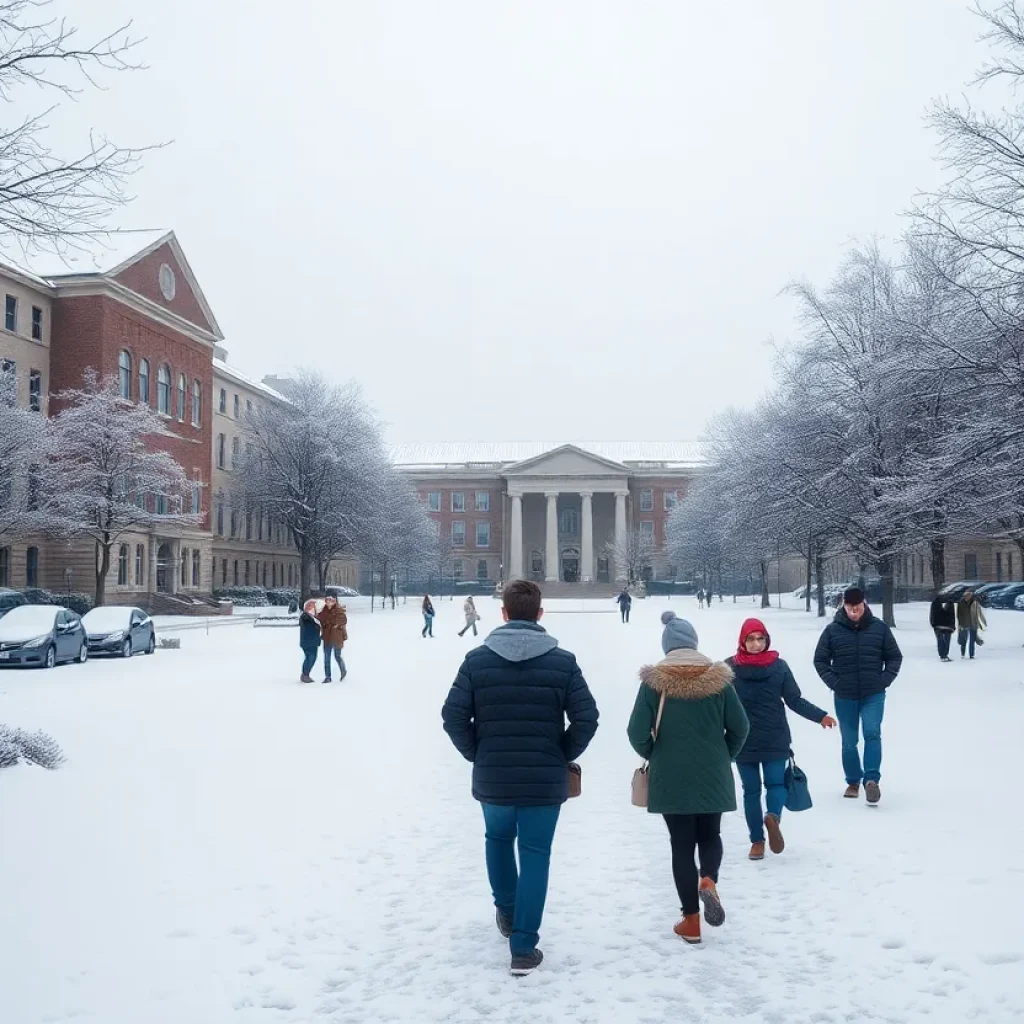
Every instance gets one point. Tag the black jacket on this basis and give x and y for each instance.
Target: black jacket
(943, 614)
(762, 690)
(857, 659)
(309, 632)
(506, 713)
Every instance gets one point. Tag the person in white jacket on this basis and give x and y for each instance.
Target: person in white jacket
(472, 616)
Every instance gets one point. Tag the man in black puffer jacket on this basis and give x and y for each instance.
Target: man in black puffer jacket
(858, 659)
(506, 713)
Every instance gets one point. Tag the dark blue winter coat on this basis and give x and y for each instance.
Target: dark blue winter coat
(506, 713)
(309, 632)
(857, 659)
(762, 690)
(624, 599)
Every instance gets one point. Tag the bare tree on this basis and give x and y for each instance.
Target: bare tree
(634, 554)
(105, 475)
(54, 201)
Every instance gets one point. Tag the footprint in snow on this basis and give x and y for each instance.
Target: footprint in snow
(1001, 959)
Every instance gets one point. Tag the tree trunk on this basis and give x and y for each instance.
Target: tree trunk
(766, 597)
(885, 570)
(810, 575)
(102, 568)
(305, 573)
(819, 569)
(938, 557)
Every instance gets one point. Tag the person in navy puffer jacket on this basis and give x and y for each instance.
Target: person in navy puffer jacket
(506, 713)
(858, 659)
(766, 686)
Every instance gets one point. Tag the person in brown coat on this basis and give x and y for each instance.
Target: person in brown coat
(333, 629)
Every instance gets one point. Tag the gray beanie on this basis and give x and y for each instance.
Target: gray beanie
(678, 633)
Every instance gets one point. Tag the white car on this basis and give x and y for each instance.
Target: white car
(1019, 603)
(120, 631)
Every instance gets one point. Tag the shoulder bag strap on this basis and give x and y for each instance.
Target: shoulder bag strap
(657, 724)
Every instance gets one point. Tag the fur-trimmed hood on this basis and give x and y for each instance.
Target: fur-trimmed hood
(688, 675)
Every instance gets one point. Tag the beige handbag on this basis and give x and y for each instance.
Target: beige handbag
(640, 776)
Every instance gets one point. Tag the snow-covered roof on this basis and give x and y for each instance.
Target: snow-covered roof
(222, 368)
(108, 251)
(449, 453)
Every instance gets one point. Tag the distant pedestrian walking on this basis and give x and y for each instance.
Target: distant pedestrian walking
(700, 598)
(971, 620)
(942, 619)
(690, 782)
(471, 614)
(309, 639)
(858, 659)
(334, 630)
(428, 617)
(625, 603)
(766, 687)
(506, 713)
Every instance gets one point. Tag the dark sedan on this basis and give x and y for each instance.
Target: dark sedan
(1007, 596)
(120, 631)
(40, 636)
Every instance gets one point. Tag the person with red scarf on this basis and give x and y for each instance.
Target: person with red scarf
(766, 686)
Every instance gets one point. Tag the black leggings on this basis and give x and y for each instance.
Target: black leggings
(687, 832)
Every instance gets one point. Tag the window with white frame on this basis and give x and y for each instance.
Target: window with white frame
(459, 533)
(222, 401)
(647, 500)
(458, 568)
(37, 324)
(569, 522)
(647, 528)
(11, 313)
(144, 381)
(483, 501)
(433, 501)
(483, 535)
(124, 374)
(182, 397)
(481, 569)
(163, 390)
(671, 500)
(197, 403)
(458, 501)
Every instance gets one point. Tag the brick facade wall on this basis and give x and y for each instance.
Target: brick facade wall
(470, 553)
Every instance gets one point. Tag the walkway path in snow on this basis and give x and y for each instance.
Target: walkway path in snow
(225, 845)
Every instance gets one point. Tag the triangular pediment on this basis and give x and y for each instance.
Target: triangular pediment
(567, 460)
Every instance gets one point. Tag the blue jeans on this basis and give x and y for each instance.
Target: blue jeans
(309, 659)
(775, 786)
(852, 714)
(963, 637)
(520, 894)
(328, 650)
(428, 624)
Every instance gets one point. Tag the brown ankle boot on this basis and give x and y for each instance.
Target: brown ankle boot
(689, 928)
(852, 791)
(714, 912)
(756, 851)
(775, 841)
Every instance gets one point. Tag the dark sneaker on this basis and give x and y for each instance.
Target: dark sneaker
(775, 841)
(524, 965)
(874, 793)
(341, 678)
(504, 923)
(327, 680)
(852, 791)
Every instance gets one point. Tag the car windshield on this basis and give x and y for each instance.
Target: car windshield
(106, 620)
(30, 619)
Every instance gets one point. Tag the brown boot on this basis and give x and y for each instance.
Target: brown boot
(756, 851)
(714, 912)
(775, 841)
(874, 793)
(689, 928)
(852, 791)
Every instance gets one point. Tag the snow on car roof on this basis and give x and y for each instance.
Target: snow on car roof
(108, 617)
(29, 618)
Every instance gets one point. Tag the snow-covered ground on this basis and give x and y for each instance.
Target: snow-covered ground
(224, 844)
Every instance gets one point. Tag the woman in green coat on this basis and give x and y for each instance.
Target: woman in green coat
(690, 782)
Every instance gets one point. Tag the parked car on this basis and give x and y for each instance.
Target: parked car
(1006, 597)
(1019, 603)
(118, 630)
(958, 589)
(10, 599)
(339, 592)
(38, 635)
(985, 593)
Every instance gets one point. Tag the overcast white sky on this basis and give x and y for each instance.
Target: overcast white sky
(539, 219)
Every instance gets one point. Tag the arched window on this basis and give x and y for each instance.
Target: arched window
(197, 403)
(182, 397)
(124, 374)
(144, 381)
(122, 565)
(163, 390)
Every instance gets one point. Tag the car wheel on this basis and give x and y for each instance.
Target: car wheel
(83, 654)
(51, 657)
(152, 644)
(126, 649)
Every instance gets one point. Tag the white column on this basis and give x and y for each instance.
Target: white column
(516, 544)
(620, 533)
(587, 528)
(551, 548)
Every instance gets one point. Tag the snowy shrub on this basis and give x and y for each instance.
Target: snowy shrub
(243, 597)
(283, 596)
(16, 746)
(78, 603)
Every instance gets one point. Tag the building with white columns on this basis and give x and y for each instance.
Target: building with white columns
(548, 511)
